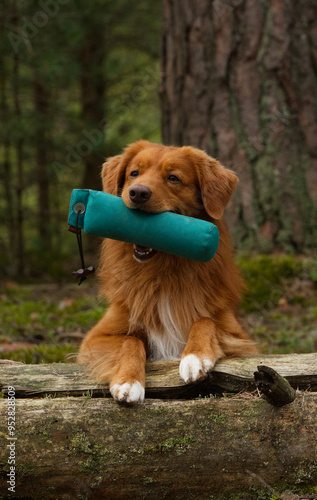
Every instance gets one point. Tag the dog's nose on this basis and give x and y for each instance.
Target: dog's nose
(139, 193)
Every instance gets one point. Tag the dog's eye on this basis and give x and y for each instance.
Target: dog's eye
(134, 173)
(173, 179)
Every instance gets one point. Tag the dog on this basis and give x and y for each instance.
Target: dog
(163, 306)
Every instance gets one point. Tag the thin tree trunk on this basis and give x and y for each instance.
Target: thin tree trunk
(7, 240)
(92, 84)
(239, 81)
(19, 179)
(41, 107)
(19, 157)
(8, 243)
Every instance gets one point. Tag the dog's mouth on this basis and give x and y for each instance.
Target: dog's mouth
(142, 254)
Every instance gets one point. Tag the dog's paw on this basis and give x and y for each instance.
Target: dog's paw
(192, 367)
(131, 393)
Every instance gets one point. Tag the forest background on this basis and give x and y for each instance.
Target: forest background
(81, 80)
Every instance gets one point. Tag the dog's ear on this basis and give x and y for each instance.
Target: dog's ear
(217, 185)
(113, 170)
(111, 174)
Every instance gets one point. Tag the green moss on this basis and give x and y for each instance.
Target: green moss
(45, 429)
(218, 419)
(80, 443)
(306, 473)
(148, 480)
(254, 494)
(178, 445)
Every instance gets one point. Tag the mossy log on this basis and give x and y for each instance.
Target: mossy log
(74, 443)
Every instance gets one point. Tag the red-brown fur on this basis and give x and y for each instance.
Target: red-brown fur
(167, 305)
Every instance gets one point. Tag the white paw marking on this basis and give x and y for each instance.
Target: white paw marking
(192, 367)
(128, 393)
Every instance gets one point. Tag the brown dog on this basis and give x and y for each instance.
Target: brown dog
(162, 306)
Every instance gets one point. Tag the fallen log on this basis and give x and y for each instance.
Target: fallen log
(163, 380)
(66, 446)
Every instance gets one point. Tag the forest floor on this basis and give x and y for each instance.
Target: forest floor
(44, 323)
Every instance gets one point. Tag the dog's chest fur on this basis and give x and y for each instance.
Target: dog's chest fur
(168, 341)
(166, 317)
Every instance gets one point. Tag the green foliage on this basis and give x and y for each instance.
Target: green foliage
(285, 336)
(264, 277)
(42, 354)
(50, 319)
(30, 316)
(311, 269)
(279, 303)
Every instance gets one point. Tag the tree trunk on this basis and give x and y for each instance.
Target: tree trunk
(239, 82)
(8, 241)
(20, 174)
(91, 447)
(13, 215)
(92, 81)
(8, 244)
(41, 108)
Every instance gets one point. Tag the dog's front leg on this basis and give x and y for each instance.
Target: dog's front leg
(201, 352)
(128, 381)
(115, 357)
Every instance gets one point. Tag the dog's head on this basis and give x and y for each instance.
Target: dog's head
(157, 178)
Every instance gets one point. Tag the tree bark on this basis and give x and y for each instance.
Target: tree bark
(65, 446)
(92, 85)
(239, 82)
(12, 190)
(20, 172)
(92, 82)
(8, 241)
(44, 213)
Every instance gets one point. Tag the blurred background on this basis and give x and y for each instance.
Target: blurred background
(81, 80)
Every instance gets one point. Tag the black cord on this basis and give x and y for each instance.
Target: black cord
(80, 241)
(80, 247)
(83, 272)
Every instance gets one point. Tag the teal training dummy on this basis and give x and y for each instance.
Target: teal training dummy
(102, 214)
